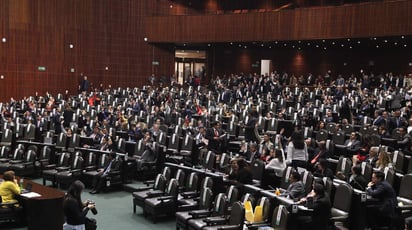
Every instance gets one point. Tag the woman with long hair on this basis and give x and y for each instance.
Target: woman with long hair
(297, 151)
(74, 209)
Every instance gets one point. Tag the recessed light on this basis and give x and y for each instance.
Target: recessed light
(348, 39)
(358, 42)
(333, 43)
(405, 45)
(403, 37)
(377, 46)
(342, 45)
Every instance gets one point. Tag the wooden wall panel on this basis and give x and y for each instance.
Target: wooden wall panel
(358, 20)
(104, 34)
(229, 59)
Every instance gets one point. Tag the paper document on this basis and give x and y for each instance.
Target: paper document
(31, 195)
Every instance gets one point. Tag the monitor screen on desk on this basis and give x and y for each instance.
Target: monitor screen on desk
(86, 141)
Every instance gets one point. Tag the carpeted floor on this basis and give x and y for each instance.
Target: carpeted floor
(115, 211)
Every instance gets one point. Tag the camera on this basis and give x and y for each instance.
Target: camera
(94, 210)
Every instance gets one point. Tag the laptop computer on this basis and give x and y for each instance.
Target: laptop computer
(27, 188)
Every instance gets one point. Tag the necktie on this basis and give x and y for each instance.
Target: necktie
(108, 168)
(216, 133)
(313, 161)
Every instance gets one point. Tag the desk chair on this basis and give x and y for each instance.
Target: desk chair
(26, 167)
(235, 220)
(204, 205)
(219, 209)
(9, 212)
(165, 204)
(342, 203)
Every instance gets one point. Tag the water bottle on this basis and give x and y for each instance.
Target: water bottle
(21, 183)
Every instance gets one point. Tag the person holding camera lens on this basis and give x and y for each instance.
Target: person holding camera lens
(75, 210)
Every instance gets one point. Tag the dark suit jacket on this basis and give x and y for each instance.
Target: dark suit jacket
(321, 213)
(213, 145)
(386, 195)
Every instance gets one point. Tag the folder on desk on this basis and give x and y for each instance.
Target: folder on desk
(31, 195)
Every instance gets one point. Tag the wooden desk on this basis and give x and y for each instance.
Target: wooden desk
(46, 211)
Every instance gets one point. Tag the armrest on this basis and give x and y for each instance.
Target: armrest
(155, 193)
(50, 166)
(256, 225)
(217, 220)
(188, 207)
(163, 198)
(200, 213)
(90, 168)
(16, 161)
(189, 194)
(140, 189)
(148, 182)
(76, 171)
(9, 204)
(228, 227)
(114, 173)
(60, 169)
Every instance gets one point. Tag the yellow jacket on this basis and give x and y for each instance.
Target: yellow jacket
(8, 190)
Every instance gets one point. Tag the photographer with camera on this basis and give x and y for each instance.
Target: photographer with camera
(75, 210)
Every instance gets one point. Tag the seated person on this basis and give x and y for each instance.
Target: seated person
(319, 218)
(149, 154)
(100, 178)
(323, 170)
(240, 172)
(276, 161)
(385, 206)
(353, 144)
(296, 188)
(356, 179)
(9, 188)
(383, 161)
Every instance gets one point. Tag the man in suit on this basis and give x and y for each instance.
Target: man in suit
(100, 178)
(385, 207)
(215, 137)
(149, 154)
(405, 140)
(353, 144)
(319, 218)
(296, 188)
